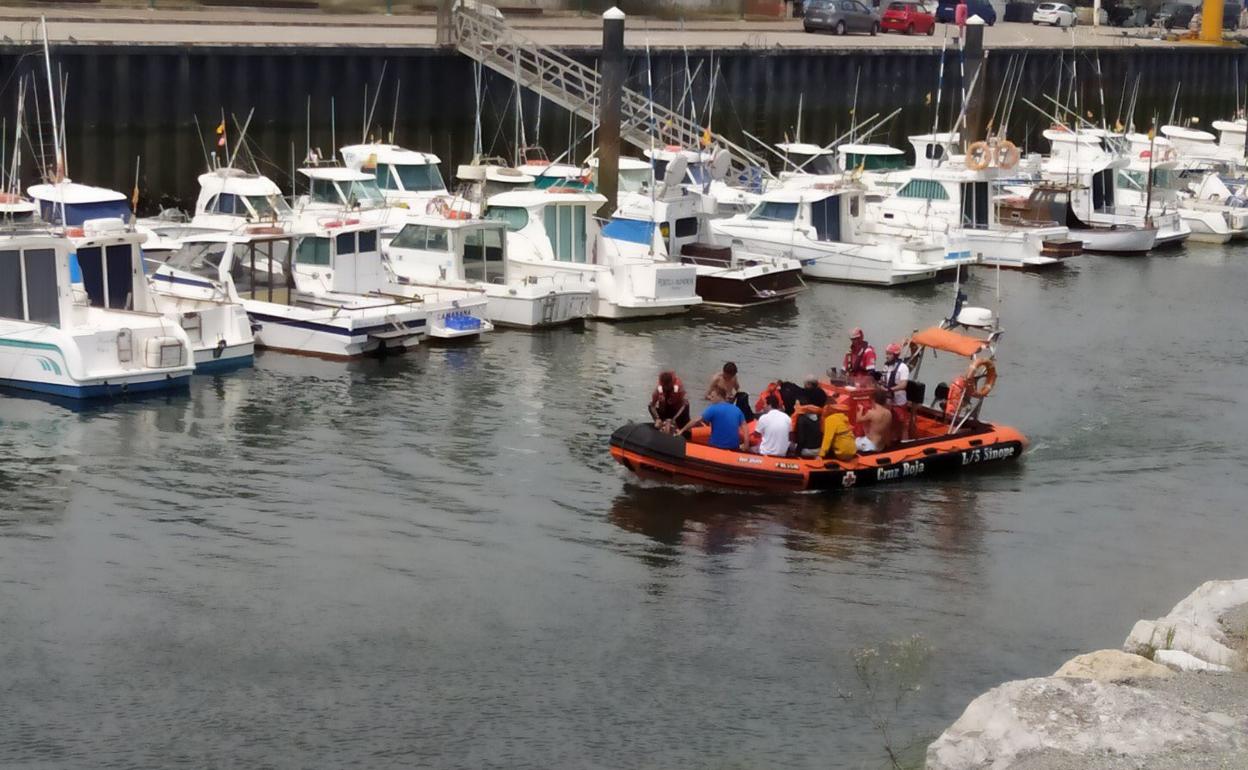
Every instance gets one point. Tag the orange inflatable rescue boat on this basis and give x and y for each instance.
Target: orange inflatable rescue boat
(946, 437)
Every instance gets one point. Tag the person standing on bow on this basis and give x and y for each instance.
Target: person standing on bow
(859, 364)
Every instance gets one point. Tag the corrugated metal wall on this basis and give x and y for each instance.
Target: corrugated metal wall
(124, 103)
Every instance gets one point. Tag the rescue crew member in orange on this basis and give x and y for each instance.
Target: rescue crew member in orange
(669, 406)
(859, 364)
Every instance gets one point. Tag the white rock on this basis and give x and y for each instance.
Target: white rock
(1182, 661)
(1014, 719)
(1174, 634)
(1111, 666)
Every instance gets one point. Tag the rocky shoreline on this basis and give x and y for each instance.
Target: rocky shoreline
(1175, 697)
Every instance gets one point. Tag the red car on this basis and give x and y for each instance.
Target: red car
(908, 16)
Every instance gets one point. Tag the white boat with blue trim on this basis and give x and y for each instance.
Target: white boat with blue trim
(61, 342)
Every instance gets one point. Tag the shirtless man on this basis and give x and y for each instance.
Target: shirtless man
(726, 379)
(877, 424)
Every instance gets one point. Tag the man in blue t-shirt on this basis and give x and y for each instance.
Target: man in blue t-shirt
(726, 421)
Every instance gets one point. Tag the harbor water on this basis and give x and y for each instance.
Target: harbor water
(431, 560)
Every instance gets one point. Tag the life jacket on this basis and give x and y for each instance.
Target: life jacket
(773, 389)
(953, 401)
(861, 362)
(677, 397)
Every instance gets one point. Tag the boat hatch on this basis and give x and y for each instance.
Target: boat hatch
(28, 286)
(484, 256)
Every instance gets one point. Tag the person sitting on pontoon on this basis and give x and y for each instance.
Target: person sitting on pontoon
(773, 426)
(726, 421)
(669, 406)
(877, 425)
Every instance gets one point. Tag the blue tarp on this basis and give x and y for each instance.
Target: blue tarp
(631, 230)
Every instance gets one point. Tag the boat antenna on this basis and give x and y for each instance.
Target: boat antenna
(797, 132)
(333, 126)
(853, 111)
(307, 133)
(1174, 105)
(940, 81)
(64, 88)
(368, 123)
(199, 132)
(394, 116)
(56, 135)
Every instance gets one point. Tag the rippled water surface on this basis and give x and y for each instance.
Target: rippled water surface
(432, 561)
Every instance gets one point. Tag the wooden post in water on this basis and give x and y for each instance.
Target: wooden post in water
(973, 49)
(612, 71)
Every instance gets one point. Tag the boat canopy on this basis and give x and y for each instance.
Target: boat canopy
(949, 341)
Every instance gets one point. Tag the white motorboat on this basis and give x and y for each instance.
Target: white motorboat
(1087, 161)
(255, 268)
(340, 262)
(1048, 203)
(406, 178)
(218, 330)
(634, 174)
(670, 224)
(60, 342)
(470, 254)
(554, 235)
(337, 192)
(822, 227)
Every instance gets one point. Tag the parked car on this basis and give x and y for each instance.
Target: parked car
(1054, 14)
(840, 16)
(908, 16)
(1174, 16)
(945, 12)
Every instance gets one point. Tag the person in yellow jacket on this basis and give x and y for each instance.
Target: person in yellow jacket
(838, 437)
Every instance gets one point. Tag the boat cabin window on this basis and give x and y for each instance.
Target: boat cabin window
(483, 256)
(202, 259)
(260, 271)
(515, 217)
(934, 151)
(367, 241)
(313, 250)
(268, 206)
(1103, 190)
(565, 228)
(631, 180)
(660, 168)
(325, 191)
(107, 276)
(422, 237)
(344, 243)
(1162, 178)
(975, 204)
(364, 192)
(774, 211)
(924, 189)
(687, 227)
(871, 162)
(825, 215)
(698, 173)
(36, 298)
(823, 164)
(415, 177)
(77, 213)
(226, 203)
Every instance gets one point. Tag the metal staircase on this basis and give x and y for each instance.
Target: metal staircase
(482, 34)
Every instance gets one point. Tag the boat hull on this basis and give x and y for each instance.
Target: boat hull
(554, 308)
(734, 290)
(646, 451)
(329, 341)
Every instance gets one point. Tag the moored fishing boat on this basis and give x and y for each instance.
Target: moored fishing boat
(61, 342)
(946, 438)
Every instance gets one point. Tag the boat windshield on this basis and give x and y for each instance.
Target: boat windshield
(515, 217)
(419, 178)
(820, 165)
(634, 180)
(699, 173)
(201, 259)
(774, 211)
(267, 206)
(870, 162)
(364, 192)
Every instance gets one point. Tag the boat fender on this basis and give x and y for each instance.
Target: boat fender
(953, 398)
(1007, 155)
(978, 156)
(981, 379)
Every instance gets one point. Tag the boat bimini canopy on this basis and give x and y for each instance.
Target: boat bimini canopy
(949, 341)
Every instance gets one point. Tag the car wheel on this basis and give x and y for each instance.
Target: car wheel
(840, 28)
(910, 30)
(1035, 24)
(807, 28)
(932, 29)
(875, 27)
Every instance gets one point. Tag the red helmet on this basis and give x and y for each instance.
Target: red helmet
(893, 348)
(856, 334)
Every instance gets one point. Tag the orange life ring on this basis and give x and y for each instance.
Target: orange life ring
(458, 214)
(981, 378)
(978, 156)
(1006, 155)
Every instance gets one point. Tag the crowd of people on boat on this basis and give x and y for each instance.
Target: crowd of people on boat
(812, 420)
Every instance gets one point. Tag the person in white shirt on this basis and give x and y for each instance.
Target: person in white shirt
(774, 427)
(896, 374)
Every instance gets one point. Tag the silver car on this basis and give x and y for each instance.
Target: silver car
(840, 16)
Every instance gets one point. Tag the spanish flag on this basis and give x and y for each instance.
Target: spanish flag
(706, 137)
(221, 133)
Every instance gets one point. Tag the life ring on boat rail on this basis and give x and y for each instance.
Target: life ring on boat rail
(1006, 155)
(978, 156)
(981, 378)
(74, 232)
